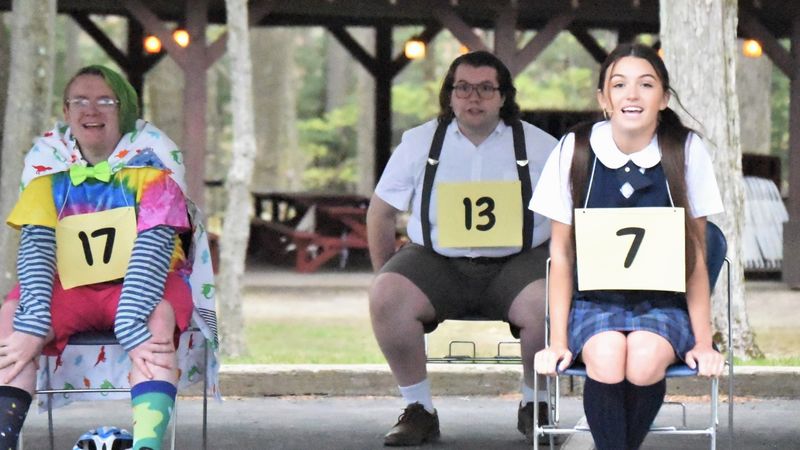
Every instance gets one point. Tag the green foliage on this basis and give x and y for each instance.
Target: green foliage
(414, 103)
(330, 143)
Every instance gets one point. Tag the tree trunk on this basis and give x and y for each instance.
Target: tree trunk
(699, 38)
(753, 80)
(279, 161)
(30, 86)
(164, 100)
(236, 229)
(338, 71)
(5, 61)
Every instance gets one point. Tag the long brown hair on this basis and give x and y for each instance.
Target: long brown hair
(672, 139)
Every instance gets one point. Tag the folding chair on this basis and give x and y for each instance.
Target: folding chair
(717, 248)
(107, 338)
(502, 356)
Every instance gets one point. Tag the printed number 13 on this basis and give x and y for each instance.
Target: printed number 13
(487, 212)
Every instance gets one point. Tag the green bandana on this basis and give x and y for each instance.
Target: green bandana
(128, 100)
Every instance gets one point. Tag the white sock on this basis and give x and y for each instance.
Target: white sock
(418, 393)
(529, 396)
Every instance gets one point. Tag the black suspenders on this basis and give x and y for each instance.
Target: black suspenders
(432, 164)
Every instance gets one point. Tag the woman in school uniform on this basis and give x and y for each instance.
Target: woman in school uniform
(640, 156)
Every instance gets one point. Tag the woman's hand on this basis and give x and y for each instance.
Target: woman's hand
(153, 353)
(545, 361)
(707, 361)
(16, 351)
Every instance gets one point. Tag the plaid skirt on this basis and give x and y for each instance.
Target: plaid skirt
(664, 315)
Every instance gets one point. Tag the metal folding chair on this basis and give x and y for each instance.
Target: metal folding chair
(108, 338)
(717, 248)
(457, 354)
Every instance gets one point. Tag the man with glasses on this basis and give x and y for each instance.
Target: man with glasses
(466, 178)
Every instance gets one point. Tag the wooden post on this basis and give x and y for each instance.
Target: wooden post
(791, 230)
(383, 97)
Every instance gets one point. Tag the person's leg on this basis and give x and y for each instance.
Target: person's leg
(398, 310)
(527, 314)
(153, 399)
(648, 357)
(16, 396)
(604, 390)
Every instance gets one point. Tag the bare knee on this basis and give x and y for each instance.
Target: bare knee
(162, 322)
(394, 297)
(649, 355)
(604, 355)
(7, 317)
(528, 308)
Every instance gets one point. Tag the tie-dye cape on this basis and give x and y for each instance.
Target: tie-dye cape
(146, 146)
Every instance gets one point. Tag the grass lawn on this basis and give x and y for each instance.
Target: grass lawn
(351, 341)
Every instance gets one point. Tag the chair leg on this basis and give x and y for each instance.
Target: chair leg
(49, 404)
(174, 423)
(205, 394)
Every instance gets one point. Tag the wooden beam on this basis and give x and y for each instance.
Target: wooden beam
(791, 229)
(589, 43)
(383, 97)
(153, 25)
(505, 35)
(752, 28)
(540, 41)
(101, 39)
(355, 49)
(427, 35)
(448, 17)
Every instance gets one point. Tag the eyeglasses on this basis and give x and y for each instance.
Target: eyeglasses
(485, 90)
(83, 103)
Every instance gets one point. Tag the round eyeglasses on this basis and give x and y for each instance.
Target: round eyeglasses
(485, 90)
(83, 103)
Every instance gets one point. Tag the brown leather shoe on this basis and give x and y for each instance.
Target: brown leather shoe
(525, 423)
(414, 427)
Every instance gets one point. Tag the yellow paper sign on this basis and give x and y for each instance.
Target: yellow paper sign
(630, 248)
(95, 247)
(480, 214)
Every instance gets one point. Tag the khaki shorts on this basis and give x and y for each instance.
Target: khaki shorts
(462, 287)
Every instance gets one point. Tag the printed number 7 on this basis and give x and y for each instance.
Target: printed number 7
(638, 236)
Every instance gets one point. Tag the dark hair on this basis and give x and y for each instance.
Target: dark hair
(672, 135)
(509, 112)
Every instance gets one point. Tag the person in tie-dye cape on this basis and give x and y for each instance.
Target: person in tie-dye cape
(109, 241)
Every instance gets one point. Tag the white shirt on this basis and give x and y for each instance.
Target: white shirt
(553, 198)
(460, 161)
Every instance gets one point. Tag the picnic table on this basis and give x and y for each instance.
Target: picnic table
(316, 227)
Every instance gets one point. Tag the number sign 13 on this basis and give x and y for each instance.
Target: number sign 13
(94, 247)
(630, 249)
(479, 214)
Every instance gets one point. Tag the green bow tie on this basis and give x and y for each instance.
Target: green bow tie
(79, 174)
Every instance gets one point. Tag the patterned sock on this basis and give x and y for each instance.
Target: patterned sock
(604, 405)
(641, 405)
(152, 407)
(14, 404)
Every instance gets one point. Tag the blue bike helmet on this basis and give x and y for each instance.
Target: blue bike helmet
(105, 438)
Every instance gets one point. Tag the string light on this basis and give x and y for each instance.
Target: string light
(751, 48)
